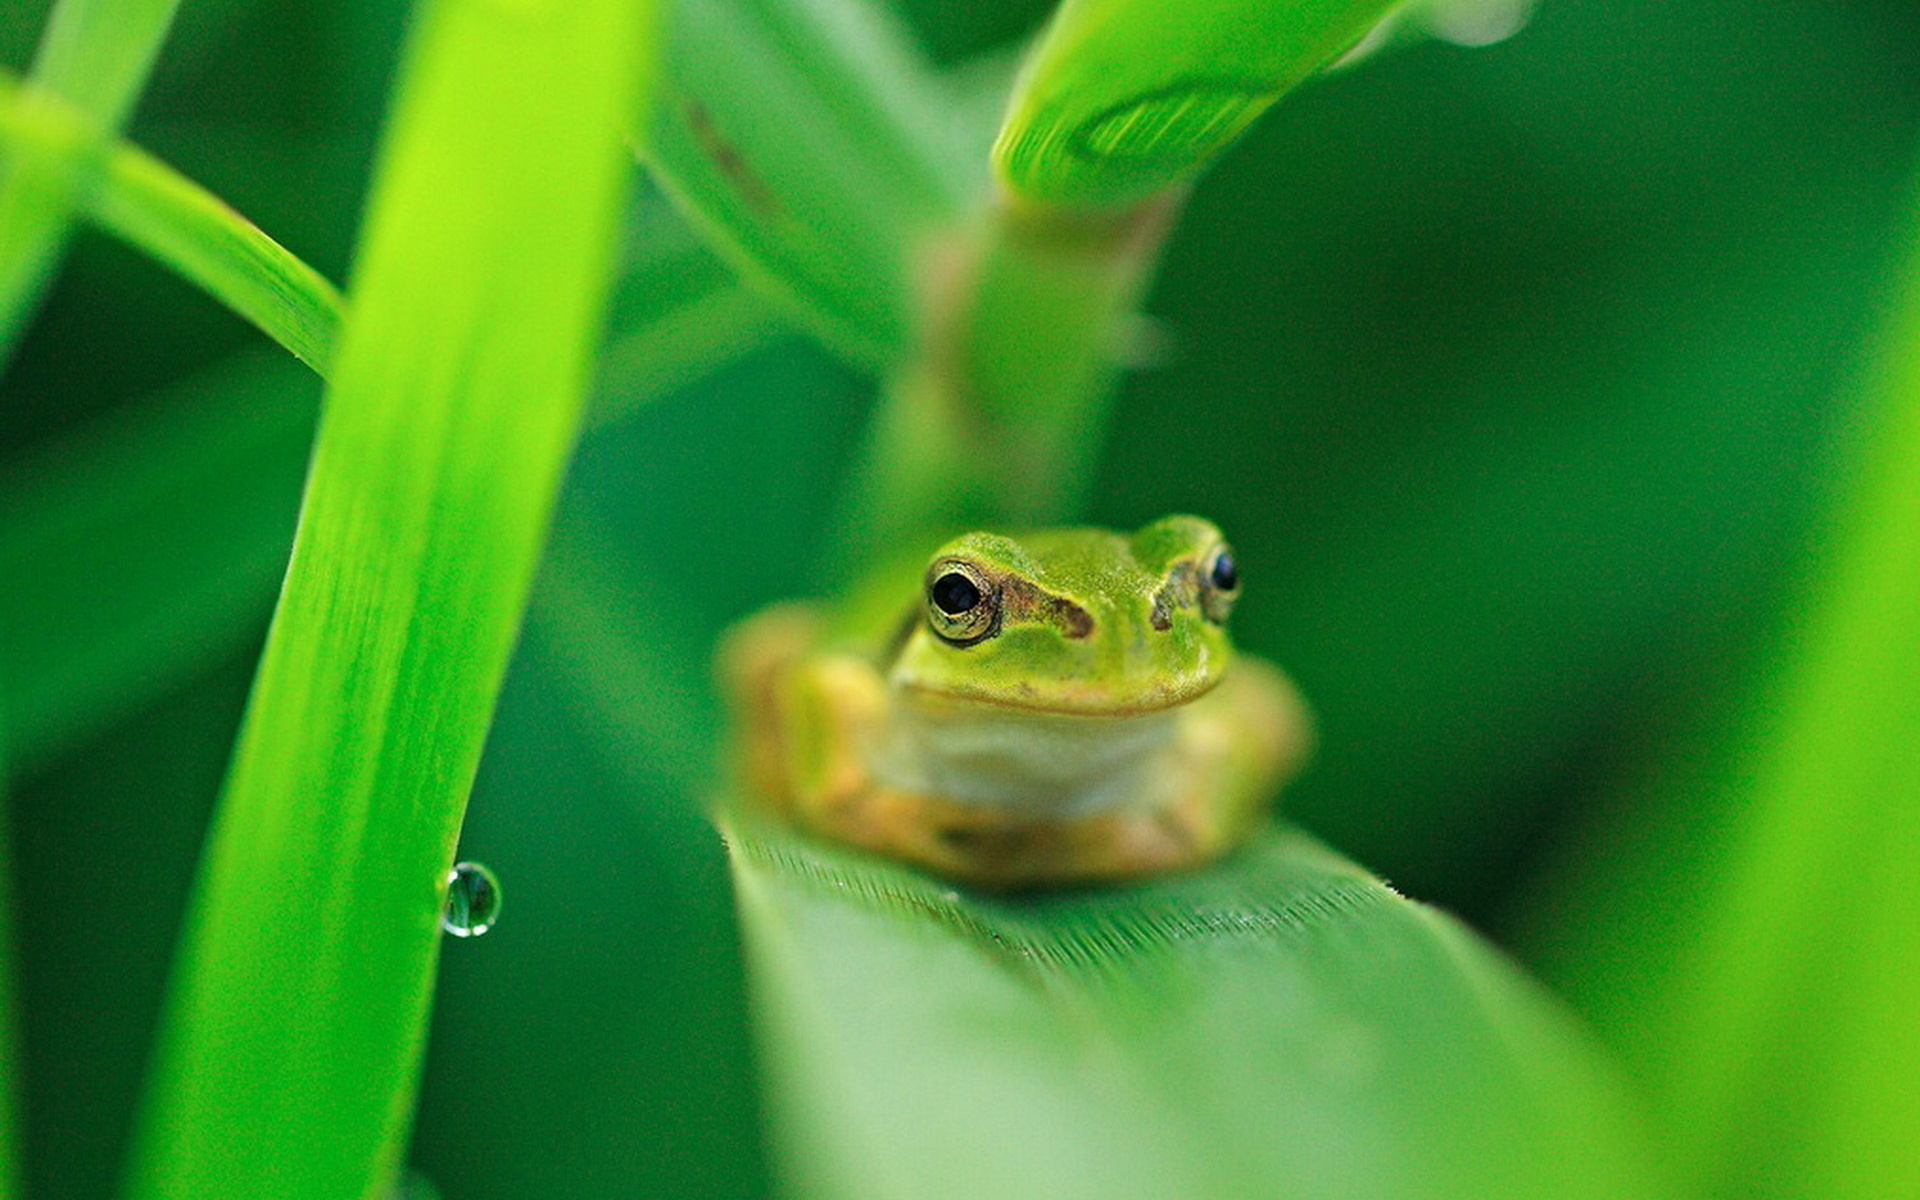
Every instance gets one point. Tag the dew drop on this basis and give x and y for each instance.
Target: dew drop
(473, 900)
(1476, 23)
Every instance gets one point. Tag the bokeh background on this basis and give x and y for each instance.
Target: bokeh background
(1518, 376)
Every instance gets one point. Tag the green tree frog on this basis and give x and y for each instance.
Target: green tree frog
(1063, 707)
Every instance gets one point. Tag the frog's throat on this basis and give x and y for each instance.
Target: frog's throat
(1025, 761)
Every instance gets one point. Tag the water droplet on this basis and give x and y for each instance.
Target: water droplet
(1476, 23)
(473, 900)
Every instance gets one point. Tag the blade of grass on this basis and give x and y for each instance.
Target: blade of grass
(678, 347)
(10, 1073)
(145, 545)
(120, 584)
(147, 204)
(1282, 1024)
(1800, 993)
(809, 142)
(1124, 98)
(289, 1052)
(96, 54)
(1751, 938)
(651, 702)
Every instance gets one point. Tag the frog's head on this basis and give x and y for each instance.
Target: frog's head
(1081, 621)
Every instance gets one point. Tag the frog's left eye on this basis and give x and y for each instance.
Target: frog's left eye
(963, 604)
(1219, 585)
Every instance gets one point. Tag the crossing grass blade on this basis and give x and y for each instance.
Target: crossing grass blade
(95, 54)
(122, 585)
(147, 204)
(289, 1053)
(10, 1074)
(1123, 98)
(1280, 1025)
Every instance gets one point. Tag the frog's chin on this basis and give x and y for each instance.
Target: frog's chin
(1020, 759)
(1059, 701)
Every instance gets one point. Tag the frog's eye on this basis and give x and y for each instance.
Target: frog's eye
(1219, 585)
(963, 605)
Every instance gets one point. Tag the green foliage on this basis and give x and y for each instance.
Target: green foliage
(128, 500)
(1510, 375)
(1123, 98)
(96, 54)
(141, 200)
(289, 1056)
(1281, 1024)
(10, 1171)
(1773, 1014)
(809, 143)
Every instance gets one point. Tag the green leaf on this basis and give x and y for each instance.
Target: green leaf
(1281, 1024)
(96, 54)
(144, 545)
(812, 147)
(10, 1073)
(289, 1052)
(1750, 939)
(1123, 98)
(152, 207)
(122, 585)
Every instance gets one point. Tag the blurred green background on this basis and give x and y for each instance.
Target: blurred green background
(1516, 375)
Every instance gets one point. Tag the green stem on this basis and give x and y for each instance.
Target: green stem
(997, 418)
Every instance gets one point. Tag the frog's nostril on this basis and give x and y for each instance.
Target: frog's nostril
(1161, 618)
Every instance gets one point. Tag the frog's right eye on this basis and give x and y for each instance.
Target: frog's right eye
(963, 605)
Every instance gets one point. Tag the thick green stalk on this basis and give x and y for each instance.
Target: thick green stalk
(95, 54)
(290, 1050)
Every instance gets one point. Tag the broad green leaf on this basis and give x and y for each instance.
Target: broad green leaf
(814, 150)
(289, 1054)
(1751, 941)
(1123, 98)
(1280, 1025)
(96, 54)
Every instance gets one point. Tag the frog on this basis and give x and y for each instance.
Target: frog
(1057, 708)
